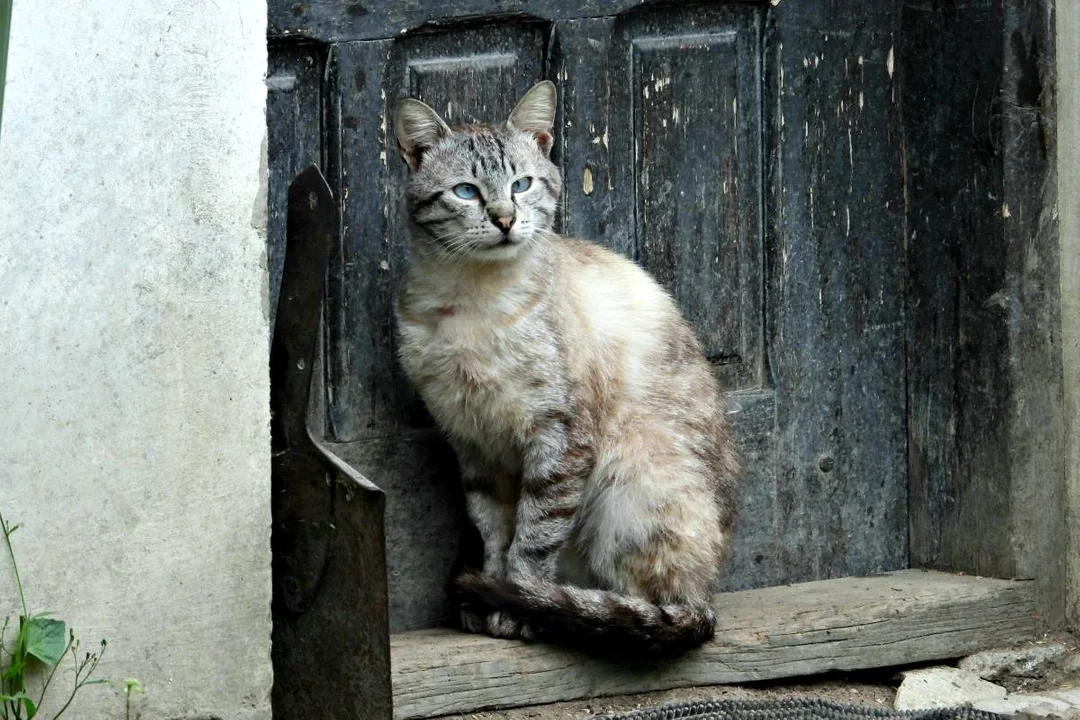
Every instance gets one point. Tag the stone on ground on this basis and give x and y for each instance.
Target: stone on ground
(1020, 667)
(937, 687)
(1051, 705)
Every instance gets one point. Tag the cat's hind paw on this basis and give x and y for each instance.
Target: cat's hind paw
(502, 625)
(473, 622)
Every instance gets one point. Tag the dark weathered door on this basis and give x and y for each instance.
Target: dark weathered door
(691, 138)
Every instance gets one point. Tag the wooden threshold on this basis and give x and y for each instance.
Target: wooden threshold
(846, 624)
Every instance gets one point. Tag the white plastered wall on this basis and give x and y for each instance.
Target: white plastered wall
(134, 442)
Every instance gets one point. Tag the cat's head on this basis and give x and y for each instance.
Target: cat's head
(483, 192)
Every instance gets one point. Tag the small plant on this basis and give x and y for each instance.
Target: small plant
(42, 641)
(131, 685)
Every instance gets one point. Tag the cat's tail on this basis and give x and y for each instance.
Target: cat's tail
(597, 620)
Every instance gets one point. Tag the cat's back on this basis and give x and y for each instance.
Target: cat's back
(612, 297)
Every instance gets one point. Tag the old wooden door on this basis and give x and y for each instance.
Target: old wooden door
(751, 164)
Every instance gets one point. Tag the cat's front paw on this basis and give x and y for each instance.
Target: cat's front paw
(503, 625)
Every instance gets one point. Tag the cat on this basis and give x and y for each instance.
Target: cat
(593, 445)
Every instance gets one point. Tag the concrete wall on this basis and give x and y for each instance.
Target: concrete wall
(1068, 137)
(134, 442)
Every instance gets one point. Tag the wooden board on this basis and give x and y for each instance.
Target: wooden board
(854, 623)
(293, 101)
(834, 232)
(986, 437)
(1068, 154)
(340, 20)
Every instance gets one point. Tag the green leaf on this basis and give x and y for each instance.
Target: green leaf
(46, 639)
(31, 708)
(11, 671)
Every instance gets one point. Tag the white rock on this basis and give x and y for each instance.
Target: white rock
(943, 687)
(1031, 706)
(1025, 662)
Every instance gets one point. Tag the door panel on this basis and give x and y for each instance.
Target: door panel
(835, 212)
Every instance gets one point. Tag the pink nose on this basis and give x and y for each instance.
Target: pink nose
(504, 223)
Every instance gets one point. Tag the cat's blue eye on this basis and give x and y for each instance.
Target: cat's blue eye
(467, 191)
(521, 184)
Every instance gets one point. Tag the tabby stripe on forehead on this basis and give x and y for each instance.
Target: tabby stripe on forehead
(427, 202)
(502, 151)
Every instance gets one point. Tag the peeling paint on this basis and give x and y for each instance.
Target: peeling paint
(851, 159)
(735, 116)
(889, 62)
(1005, 211)
(587, 182)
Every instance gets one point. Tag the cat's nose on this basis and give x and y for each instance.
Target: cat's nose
(502, 215)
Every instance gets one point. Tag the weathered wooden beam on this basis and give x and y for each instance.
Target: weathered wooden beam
(1068, 156)
(846, 624)
(986, 435)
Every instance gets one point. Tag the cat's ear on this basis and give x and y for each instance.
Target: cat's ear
(535, 113)
(417, 127)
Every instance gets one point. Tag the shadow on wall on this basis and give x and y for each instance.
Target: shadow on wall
(5, 31)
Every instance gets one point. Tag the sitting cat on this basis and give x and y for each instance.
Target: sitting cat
(593, 446)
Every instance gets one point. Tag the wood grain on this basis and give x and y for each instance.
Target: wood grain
(985, 432)
(834, 232)
(342, 20)
(848, 624)
(293, 99)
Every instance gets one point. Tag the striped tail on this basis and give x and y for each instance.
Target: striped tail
(599, 621)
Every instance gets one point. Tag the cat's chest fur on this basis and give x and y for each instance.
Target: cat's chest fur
(484, 375)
